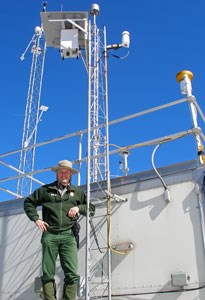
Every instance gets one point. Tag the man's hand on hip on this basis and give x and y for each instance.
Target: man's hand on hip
(41, 225)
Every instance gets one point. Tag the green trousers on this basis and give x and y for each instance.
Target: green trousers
(64, 245)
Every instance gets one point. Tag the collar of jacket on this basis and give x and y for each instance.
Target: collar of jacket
(53, 186)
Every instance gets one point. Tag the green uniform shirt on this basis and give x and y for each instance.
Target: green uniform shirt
(55, 207)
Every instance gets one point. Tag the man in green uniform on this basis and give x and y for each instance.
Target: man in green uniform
(61, 203)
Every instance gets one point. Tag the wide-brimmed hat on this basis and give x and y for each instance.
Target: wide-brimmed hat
(64, 164)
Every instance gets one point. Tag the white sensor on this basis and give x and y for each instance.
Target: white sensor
(126, 39)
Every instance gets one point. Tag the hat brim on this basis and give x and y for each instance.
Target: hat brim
(55, 169)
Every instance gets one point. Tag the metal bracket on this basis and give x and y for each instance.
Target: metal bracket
(115, 197)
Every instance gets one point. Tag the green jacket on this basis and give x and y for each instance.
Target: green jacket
(55, 207)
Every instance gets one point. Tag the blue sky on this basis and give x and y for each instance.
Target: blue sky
(166, 37)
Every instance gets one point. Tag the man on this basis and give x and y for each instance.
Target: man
(61, 203)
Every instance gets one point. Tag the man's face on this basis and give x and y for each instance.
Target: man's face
(63, 176)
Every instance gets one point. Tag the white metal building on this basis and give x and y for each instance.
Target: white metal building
(157, 245)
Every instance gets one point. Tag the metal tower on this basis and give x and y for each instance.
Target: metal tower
(98, 168)
(33, 111)
(97, 150)
(97, 108)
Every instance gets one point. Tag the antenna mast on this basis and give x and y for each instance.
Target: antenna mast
(97, 108)
(32, 113)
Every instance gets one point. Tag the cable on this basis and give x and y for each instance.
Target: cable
(122, 252)
(94, 234)
(121, 57)
(166, 192)
(155, 169)
(160, 292)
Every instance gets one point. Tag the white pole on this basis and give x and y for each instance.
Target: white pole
(87, 275)
(184, 78)
(79, 158)
(107, 168)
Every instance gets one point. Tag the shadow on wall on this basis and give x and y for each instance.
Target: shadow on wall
(20, 257)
